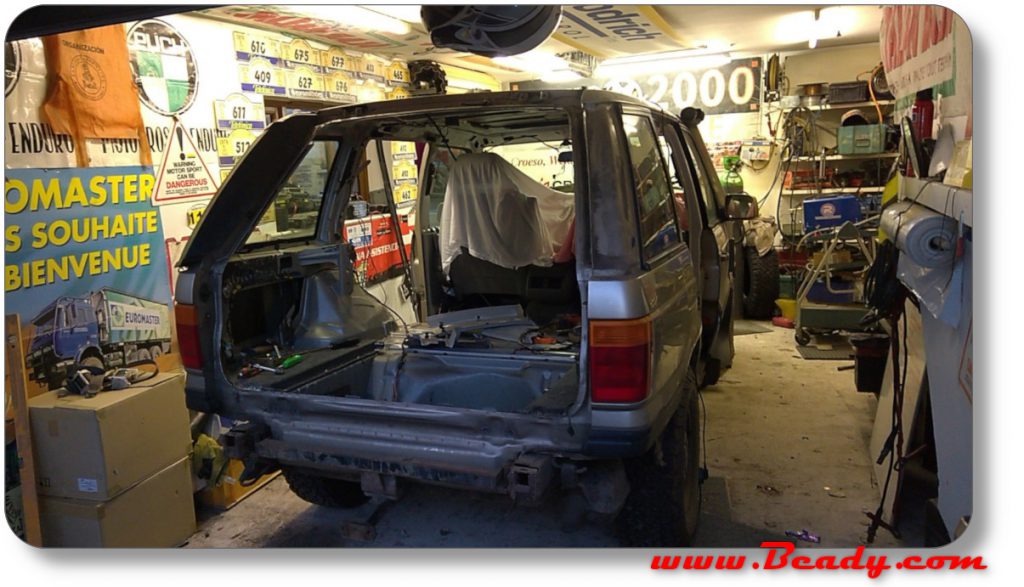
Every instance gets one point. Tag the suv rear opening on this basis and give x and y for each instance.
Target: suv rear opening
(501, 301)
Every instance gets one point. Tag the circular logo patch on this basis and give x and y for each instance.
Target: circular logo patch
(116, 316)
(12, 66)
(163, 67)
(88, 77)
(828, 209)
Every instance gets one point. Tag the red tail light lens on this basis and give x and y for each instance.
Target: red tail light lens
(186, 318)
(620, 362)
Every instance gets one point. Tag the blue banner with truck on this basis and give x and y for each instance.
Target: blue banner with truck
(84, 268)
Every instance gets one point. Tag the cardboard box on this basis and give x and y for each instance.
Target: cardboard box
(156, 513)
(96, 448)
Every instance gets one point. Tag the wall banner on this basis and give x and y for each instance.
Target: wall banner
(731, 88)
(917, 44)
(77, 241)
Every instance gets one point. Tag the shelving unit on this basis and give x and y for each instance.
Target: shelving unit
(844, 106)
(846, 157)
(825, 191)
(793, 198)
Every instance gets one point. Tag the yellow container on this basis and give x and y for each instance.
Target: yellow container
(787, 308)
(230, 491)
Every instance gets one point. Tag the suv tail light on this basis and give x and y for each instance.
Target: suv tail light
(620, 361)
(188, 335)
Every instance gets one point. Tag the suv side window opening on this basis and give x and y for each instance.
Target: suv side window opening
(294, 212)
(659, 230)
(706, 189)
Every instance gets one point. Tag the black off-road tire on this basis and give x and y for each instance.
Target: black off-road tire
(760, 283)
(663, 505)
(324, 491)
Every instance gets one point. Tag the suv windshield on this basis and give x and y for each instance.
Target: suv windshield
(296, 207)
(546, 163)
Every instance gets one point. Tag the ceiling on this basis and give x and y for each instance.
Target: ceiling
(603, 31)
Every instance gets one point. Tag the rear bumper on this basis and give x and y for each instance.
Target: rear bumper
(461, 448)
(346, 437)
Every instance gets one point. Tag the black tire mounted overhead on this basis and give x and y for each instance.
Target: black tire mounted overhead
(760, 283)
(324, 491)
(663, 505)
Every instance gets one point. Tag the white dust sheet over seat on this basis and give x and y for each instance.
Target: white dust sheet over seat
(501, 215)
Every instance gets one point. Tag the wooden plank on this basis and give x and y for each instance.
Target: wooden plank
(22, 428)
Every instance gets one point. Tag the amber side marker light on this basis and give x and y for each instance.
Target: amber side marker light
(187, 320)
(619, 360)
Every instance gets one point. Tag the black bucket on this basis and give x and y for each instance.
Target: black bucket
(871, 351)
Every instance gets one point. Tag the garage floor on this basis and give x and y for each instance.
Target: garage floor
(787, 449)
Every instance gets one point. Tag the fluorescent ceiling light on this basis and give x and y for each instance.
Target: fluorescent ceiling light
(549, 68)
(660, 62)
(356, 17)
(810, 26)
(533, 61)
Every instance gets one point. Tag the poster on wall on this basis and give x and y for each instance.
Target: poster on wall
(30, 142)
(84, 269)
(183, 174)
(376, 246)
(734, 87)
(917, 44)
(727, 89)
(163, 66)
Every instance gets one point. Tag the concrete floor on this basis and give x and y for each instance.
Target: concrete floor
(787, 449)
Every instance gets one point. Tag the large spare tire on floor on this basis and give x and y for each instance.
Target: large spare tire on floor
(760, 283)
(324, 491)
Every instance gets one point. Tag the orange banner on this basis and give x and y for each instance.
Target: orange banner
(93, 94)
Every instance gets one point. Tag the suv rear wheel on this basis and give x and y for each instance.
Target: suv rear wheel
(324, 491)
(664, 499)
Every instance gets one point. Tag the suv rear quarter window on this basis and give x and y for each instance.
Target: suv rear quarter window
(658, 228)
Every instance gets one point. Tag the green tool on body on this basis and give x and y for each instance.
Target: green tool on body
(290, 362)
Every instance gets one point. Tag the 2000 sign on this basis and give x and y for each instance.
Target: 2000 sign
(684, 90)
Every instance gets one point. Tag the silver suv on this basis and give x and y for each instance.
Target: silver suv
(547, 336)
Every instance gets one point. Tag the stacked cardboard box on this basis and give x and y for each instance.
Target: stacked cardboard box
(113, 470)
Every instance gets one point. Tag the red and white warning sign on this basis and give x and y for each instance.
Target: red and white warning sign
(183, 173)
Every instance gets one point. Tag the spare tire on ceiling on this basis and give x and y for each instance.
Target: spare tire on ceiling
(490, 30)
(427, 77)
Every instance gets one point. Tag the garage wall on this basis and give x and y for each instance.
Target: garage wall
(39, 159)
(819, 65)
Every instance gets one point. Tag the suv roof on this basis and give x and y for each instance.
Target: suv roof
(561, 98)
(290, 134)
